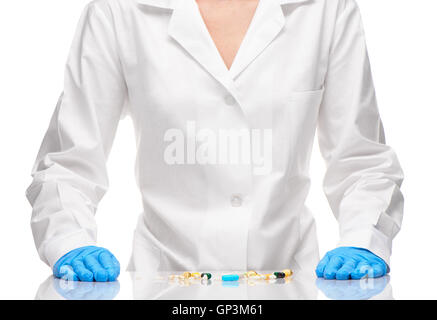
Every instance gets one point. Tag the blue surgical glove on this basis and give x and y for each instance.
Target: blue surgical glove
(87, 264)
(351, 263)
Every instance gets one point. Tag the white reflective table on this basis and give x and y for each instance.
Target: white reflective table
(158, 286)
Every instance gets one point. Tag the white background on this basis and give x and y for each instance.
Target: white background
(35, 36)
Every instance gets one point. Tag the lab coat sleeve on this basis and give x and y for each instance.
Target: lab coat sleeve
(69, 175)
(363, 177)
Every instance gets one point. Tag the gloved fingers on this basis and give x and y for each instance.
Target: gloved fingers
(334, 264)
(65, 272)
(378, 270)
(115, 262)
(82, 272)
(344, 273)
(94, 266)
(107, 262)
(321, 266)
(361, 270)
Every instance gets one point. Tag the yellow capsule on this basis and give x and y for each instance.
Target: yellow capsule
(186, 275)
(287, 272)
(195, 275)
(251, 273)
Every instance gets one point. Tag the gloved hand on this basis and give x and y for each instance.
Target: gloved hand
(351, 263)
(87, 264)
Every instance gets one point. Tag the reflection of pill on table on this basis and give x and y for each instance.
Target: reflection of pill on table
(230, 284)
(206, 282)
(230, 277)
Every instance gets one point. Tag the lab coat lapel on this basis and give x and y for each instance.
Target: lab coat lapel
(187, 28)
(265, 26)
(267, 23)
(164, 4)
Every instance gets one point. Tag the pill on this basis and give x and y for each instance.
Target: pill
(287, 272)
(251, 274)
(279, 274)
(230, 277)
(206, 276)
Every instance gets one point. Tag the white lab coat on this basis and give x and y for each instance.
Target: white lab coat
(302, 65)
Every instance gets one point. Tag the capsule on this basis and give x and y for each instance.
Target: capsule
(251, 273)
(195, 275)
(230, 277)
(206, 276)
(287, 272)
(186, 275)
(279, 275)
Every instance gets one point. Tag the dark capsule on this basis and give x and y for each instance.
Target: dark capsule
(279, 275)
(208, 275)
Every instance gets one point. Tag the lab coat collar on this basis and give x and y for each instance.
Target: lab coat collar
(170, 4)
(266, 25)
(164, 4)
(188, 29)
(291, 1)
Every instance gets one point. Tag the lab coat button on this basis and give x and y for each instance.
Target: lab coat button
(236, 200)
(230, 100)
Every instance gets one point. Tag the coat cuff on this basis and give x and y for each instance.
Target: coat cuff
(60, 246)
(368, 238)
